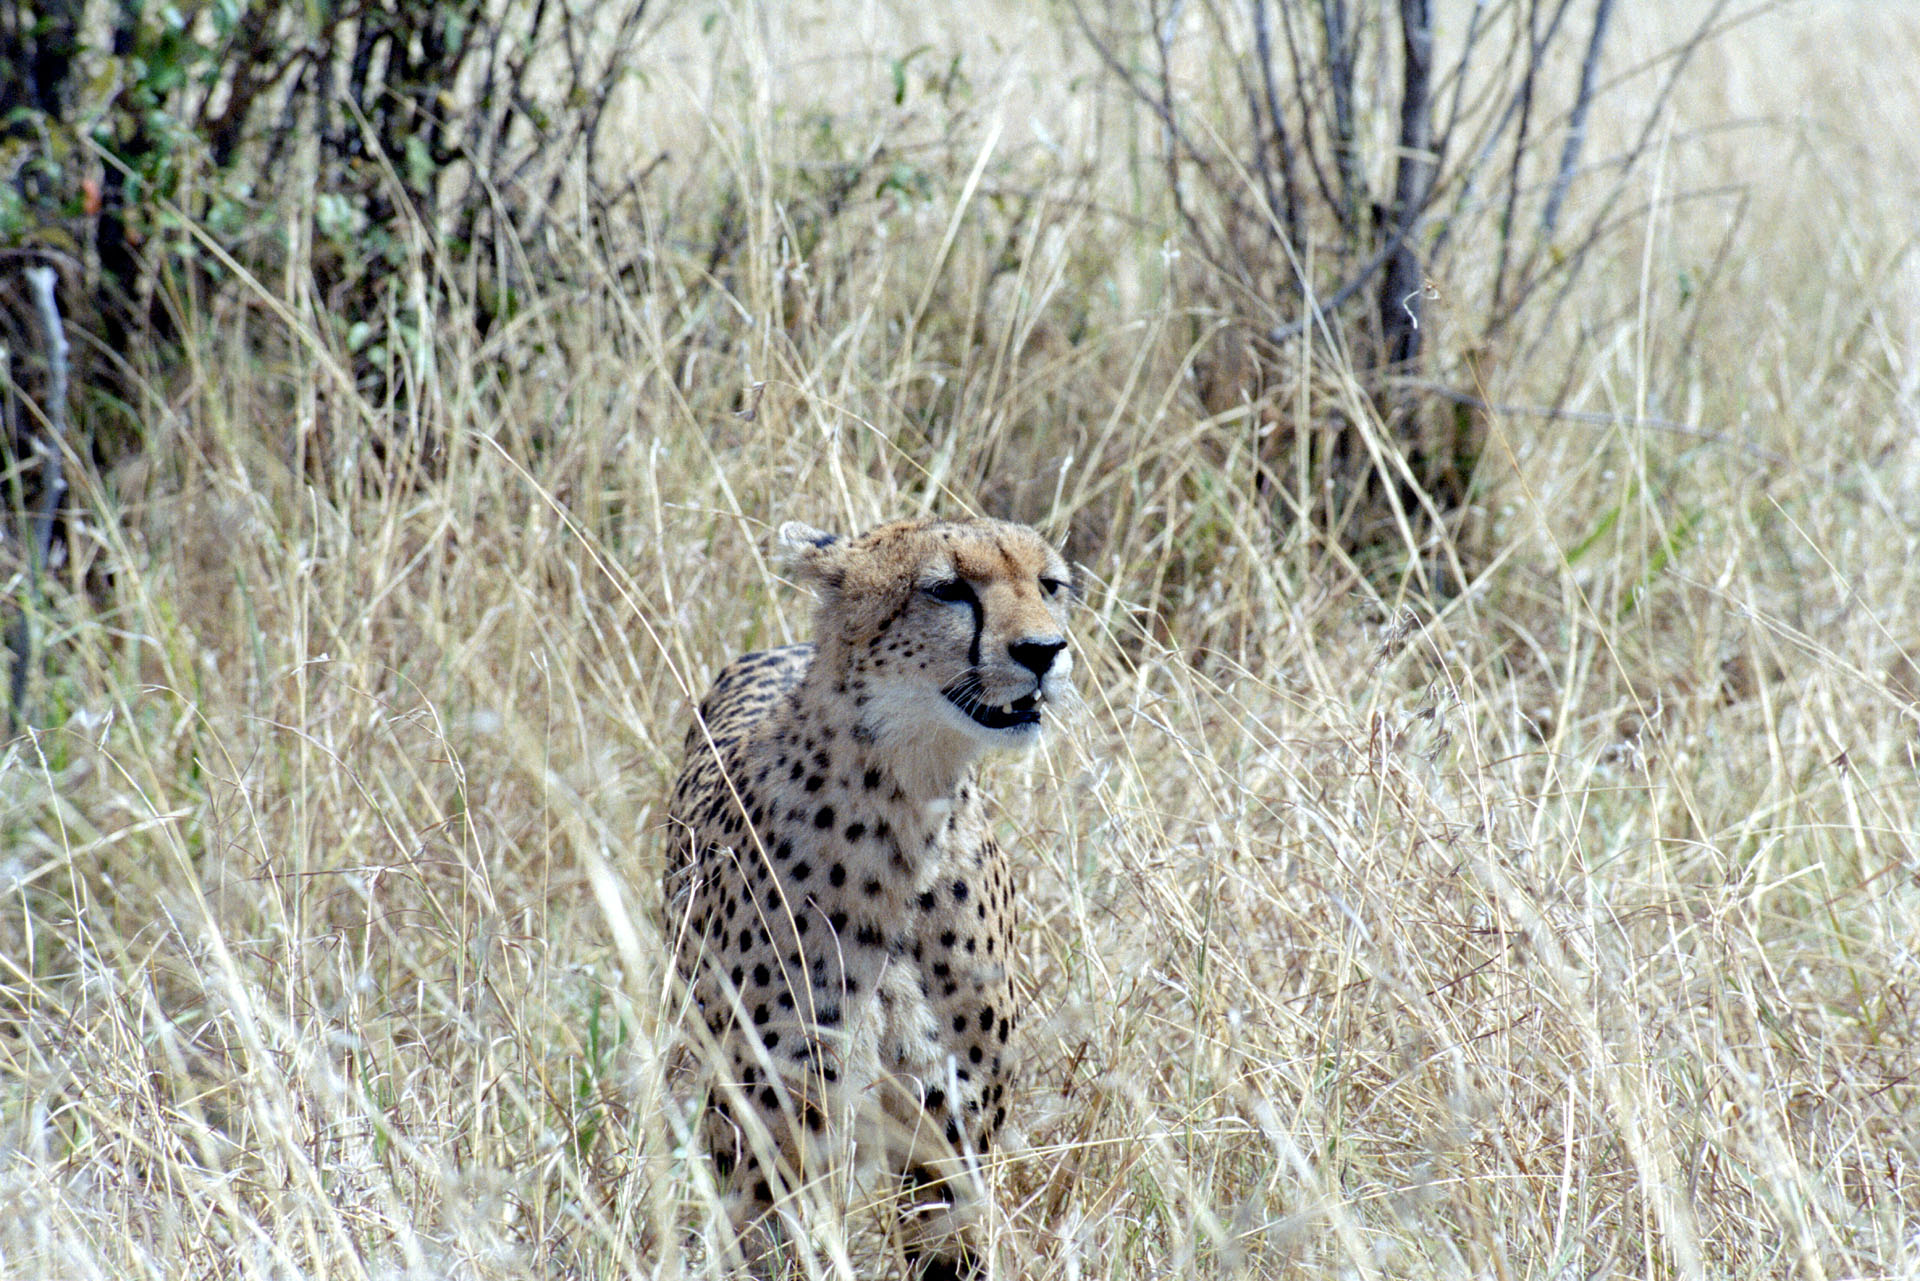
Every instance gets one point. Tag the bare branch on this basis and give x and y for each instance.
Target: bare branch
(1596, 419)
(53, 486)
(1602, 218)
(1277, 123)
(1302, 84)
(1414, 167)
(1537, 42)
(1577, 122)
(1339, 298)
(53, 481)
(1334, 23)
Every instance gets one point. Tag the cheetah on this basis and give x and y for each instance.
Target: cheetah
(840, 912)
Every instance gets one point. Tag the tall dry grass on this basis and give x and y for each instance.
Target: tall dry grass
(1560, 926)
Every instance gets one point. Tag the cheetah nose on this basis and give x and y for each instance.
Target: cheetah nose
(1036, 655)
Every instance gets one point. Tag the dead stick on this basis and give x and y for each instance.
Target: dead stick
(53, 482)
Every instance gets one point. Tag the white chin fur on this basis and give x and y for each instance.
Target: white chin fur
(932, 742)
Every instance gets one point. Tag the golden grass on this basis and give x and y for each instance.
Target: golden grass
(1567, 927)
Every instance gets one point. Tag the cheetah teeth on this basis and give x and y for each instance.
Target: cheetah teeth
(1020, 712)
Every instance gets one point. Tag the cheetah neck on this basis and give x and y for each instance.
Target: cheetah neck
(928, 763)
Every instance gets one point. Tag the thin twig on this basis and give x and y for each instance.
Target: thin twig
(1593, 418)
(1277, 122)
(1537, 42)
(1577, 121)
(1163, 34)
(1340, 70)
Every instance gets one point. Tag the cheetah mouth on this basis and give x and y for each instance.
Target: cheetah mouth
(1018, 714)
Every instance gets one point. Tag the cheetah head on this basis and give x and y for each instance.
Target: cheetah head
(951, 631)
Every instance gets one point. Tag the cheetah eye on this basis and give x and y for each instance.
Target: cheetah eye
(1052, 586)
(953, 591)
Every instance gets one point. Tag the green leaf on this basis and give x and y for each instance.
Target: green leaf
(898, 69)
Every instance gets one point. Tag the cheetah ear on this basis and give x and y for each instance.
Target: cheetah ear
(811, 555)
(795, 537)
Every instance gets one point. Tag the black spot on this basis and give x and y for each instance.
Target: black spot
(855, 831)
(946, 938)
(760, 1014)
(838, 921)
(936, 1099)
(868, 935)
(926, 901)
(986, 1018)
(738, 974)
(783, 851)
(771, 1040)
(816, 782)
(974, 1055)
(802, 870)
(837, 876)
(959, 891)
(870, 780)
(960, 1023)
(871, 888)
(761, 975)
(768, 1097)
(824, 819)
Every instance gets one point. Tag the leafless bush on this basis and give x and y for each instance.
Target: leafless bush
(1325, 162)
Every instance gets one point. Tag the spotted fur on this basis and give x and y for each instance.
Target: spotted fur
(842, 915)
